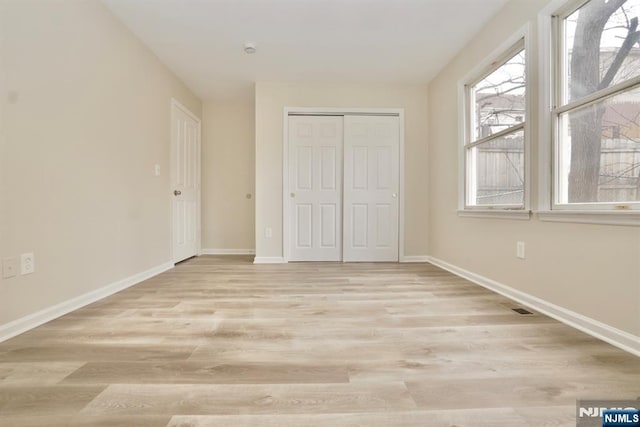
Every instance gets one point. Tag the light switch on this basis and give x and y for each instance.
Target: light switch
(157, 170)
(9, 267)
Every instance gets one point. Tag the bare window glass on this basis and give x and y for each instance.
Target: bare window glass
(500, 98)
(598, 125)
(498, 171)
(601, 46)
(600, 151)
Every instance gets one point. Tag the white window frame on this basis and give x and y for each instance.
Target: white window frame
(518, 41)
(550, 48)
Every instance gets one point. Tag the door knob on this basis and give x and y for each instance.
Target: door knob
(177, 192)
(394, 195)
(293, 195)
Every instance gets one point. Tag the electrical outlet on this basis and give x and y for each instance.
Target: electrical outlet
(520, 250)
(9, 268)
(268, 232)
(27, 263)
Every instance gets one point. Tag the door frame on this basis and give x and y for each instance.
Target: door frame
(323, 111)
(172, 176)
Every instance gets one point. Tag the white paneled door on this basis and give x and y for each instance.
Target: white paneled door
(344, 182)
(315, 185)
(371, 188)
(185, 177)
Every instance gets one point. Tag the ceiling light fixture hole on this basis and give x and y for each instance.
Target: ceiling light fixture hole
(249, 47)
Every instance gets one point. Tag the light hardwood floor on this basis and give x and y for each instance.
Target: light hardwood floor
(218, 341)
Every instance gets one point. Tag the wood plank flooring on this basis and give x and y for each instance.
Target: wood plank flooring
(218, 341)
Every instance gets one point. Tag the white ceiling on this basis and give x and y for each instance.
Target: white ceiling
(303, 40)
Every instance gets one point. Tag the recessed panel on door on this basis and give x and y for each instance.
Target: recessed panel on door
(382, 217)
(384, 177)
(304, 229)
(359, 225)
(181, 214)
(315, 188)
(304, 180)
(329, 216)
(328, 166)
(360, 167)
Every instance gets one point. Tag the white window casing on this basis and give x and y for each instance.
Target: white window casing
(468, 139)
(552, 198)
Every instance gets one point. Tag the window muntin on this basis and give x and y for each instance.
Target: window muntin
(597, 113)
(495, 141)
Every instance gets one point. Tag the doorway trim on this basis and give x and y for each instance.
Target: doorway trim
(323, 111)
(172, 176)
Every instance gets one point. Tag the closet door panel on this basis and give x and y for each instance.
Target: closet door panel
(315, 185)
(371, 188)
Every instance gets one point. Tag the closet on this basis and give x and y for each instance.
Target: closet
(344, 186)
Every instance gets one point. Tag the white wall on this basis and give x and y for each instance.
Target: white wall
(86, 115)
(271, 98)
(228, 175)
(590, 269)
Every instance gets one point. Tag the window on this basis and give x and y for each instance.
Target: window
(494, 144)
(596, 112)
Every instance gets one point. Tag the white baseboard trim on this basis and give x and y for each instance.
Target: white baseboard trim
(228, 251)
(621, 339)
(268, 260)
(415, 258)
(18, 326)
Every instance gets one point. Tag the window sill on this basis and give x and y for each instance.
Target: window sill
(495, 213)
(592, 217)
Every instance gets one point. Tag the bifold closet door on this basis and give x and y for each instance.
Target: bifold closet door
(315, 185)
(371, 185)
